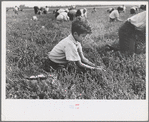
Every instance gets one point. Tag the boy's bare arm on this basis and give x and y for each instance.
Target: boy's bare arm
(86, 63)
(85, 60)
(80, 64)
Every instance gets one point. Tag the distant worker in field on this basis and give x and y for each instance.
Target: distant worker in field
(36, 9)
(134, 10)
(16, 9)
(94, 10)
(114, 15)
(143, 7)
(109, 10)
(132, 33)
(123, 7)
(45, 10)
(70, 50)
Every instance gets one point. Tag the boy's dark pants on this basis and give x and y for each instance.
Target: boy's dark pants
(48, 65)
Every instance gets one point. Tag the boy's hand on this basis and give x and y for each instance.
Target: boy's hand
(101, 68)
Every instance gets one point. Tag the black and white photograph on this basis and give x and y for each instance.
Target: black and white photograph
(72, 55)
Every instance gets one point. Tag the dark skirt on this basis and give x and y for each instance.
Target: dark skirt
(130, 38)
(127, 37)
(36, 9)
(16, 12)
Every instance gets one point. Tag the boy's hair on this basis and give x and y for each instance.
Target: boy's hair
(81, 26)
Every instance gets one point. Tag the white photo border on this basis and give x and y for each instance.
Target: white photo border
(63, 110)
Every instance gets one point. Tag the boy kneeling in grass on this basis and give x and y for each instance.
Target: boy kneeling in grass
(70, 49)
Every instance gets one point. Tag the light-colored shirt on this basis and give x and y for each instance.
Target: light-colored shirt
(134, 7)
(138, 20)
(61, 10)
(47, 9)
(66, 50)
(16, 8)
(124, 8)
(62, 16)
(114, 14)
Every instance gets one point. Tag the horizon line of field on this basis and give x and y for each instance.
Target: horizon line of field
(78, 6)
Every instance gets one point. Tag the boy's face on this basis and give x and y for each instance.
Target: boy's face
(80, 37)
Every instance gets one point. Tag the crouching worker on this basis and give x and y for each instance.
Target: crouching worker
(132, 33)
(114, 15)
(70, 50)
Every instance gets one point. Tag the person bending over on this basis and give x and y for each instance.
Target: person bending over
(114, 15)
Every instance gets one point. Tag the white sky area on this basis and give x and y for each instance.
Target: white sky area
(63, 3)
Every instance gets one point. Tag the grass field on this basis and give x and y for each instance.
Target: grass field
(27, 43)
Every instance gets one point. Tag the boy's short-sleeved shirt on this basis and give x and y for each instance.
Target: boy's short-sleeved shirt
(66, 50)
(114, 14)
(138, 20)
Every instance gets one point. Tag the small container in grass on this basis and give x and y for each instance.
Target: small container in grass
(41, 77)
(34, 18)
(35, 75)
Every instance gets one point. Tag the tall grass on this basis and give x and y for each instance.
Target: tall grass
(28, 43)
